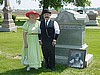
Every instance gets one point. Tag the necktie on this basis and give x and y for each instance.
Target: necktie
(46, 28)
(46, 22)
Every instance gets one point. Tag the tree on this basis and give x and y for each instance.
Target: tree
(82, 3)
(57, 4)
(1, 2)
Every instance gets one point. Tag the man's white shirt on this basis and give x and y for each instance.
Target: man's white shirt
(56, 26)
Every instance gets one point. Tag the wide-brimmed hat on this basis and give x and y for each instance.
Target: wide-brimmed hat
(46, 11)
(32, 12)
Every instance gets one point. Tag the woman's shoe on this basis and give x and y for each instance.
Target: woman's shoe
(28, 68)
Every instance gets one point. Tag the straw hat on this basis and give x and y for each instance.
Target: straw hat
(32, 12)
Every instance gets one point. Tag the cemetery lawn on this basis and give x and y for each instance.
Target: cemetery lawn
(11, 45)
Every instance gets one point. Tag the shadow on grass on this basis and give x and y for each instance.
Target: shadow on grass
(43, 70)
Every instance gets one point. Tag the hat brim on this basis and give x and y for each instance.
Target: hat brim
(32, 12)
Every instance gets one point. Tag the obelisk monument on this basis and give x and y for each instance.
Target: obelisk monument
(8, 23)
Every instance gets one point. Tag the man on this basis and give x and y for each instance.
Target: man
(47, 38)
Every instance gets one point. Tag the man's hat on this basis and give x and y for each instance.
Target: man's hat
(46, 11)
(32, 12)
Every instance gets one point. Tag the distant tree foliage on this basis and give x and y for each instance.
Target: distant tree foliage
(82, 3)
(18, 1)
(1, 2)
(57, 4)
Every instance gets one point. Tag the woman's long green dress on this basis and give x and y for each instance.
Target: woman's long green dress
(33, 52)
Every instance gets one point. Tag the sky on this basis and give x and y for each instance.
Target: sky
(30, 4)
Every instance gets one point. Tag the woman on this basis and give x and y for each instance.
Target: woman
(31, 48)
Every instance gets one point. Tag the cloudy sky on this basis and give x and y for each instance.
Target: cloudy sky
(30, 4)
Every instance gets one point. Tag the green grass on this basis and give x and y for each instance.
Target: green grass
(11, 45)
(11, 41)
(93, 40)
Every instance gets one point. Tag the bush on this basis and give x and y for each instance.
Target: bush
(1, 2)
(18, 20)
(14, 17)
(0, 16)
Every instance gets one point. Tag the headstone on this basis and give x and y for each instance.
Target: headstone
(92, 18)
(53, 16)
(72, 36)
(8, 23)
(80, 11)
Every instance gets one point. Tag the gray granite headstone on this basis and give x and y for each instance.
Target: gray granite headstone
(8, 23)
(92, 18)
(53, 16)
(72, 36)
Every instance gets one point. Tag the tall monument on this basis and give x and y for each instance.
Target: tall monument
(8, 23)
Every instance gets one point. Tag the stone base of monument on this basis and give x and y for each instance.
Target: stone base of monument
(88, 59)
(92, 23)
(61, 59)
(8, 29)
(64, 60)
(62, 54)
